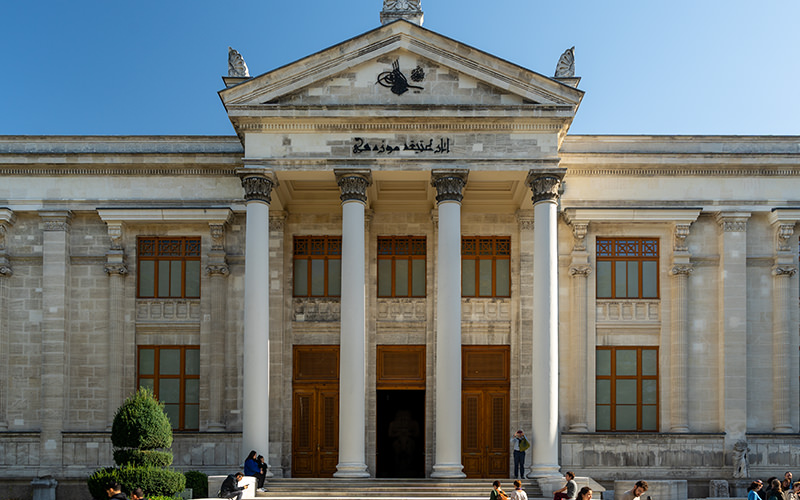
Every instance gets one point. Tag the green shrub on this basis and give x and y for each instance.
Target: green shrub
(143, 457)
(198, 482)
(153, 480)
(141, 423)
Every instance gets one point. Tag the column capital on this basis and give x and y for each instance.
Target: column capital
(7, 219)
(257, 184)
(681, 270)
(580, 271)
(353, 184)
(217, 269)
(56, 220)
(545, 184)
(786, 271)
(732, 222)
(115, 268)
(449, 183)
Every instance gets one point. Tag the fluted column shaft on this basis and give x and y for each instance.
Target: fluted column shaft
(545, 186)
(7, 219)
(679, 350)
(258, 185)
(217, 271)
(783, 271)
(580, 270)
(352, 351)
(449, 186)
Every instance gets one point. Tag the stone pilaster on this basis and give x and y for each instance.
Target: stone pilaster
(7, 220)
(522, 341)
(352, 352)
(449, 186)
(783, 271)
(679, 338)
(580, 269)
(55, 287)
(215, 330)
(732, 328)
(544, 185)
(257, 183)
(117, 270)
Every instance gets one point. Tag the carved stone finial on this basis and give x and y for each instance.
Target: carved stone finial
(545, 185)
(566, 64)
(449, 184)
(257, 187)
(353, 184)
(236, 64)
(410, 10)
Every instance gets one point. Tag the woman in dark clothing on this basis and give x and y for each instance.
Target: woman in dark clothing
(253, 468)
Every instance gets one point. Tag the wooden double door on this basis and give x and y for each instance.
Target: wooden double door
(485, 411)
(315, 411)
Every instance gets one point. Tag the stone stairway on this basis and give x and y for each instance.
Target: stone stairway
(396, 489)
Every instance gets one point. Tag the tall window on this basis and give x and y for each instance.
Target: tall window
(169, 267)
(627, 268)
(627, 389)
(401, 266)
(486, 266)
(317, 266)
(173, 374)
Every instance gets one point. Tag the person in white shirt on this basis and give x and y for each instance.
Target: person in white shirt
(518, 493)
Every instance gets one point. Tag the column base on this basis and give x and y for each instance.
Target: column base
(448, 471)
(544, 471)
(579, 427)
(783, 429)
(351, 470)
(216, 427)
(680, 429)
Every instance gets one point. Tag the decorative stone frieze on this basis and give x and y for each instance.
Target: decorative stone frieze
(449, 184)
(545, 184)
(56, 220)
(353, 184)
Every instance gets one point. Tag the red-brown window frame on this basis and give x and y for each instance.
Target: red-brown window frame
(494, 256)
(189, 251)
(408, 248)
(614, 256)
(303, 247)
(182, 376)
(613, 377)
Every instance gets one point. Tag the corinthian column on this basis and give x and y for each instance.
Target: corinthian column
(580, 270)
(7, 219)
(117, 270)
(217, 271)
(449, 186)
(544, 185)
(352, 342)
(257, 184)
(783, 270)
(679, 345)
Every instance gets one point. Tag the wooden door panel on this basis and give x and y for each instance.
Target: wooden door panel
(484, 428)
(471, 447)
(303, 442)
(328, 432)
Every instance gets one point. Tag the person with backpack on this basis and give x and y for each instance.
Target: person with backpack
(519, 444)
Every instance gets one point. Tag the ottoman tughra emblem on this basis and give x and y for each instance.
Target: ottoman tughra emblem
(397, 81)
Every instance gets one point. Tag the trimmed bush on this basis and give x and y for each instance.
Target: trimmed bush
(153, 480)
(141, 423)
(198, 482)
(143, 457)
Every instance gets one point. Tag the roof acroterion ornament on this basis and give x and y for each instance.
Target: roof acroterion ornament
(410, 10)
(566, 64)
(236, 65)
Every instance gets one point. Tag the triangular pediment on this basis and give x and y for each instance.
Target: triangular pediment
(400, 64)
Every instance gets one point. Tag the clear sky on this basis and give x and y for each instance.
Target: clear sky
(144, 67)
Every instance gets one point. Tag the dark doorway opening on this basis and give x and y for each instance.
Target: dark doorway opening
(401, 433)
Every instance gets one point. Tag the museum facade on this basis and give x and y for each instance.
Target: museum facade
(399, 259)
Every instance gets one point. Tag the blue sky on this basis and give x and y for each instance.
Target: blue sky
(154, 67)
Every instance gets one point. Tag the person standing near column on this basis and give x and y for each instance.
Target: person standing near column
(519, 443)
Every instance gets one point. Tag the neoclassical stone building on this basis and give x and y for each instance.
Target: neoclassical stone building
(400, 258)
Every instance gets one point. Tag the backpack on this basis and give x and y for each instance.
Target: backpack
(524, 444)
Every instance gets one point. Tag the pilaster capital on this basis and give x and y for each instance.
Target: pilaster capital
(7, 219)
(681, 233)
(449, 184)
(786, 271)
(277, 221)
(6, 271)
(580, 271)
(525, 220)
(681, 270)
(545, 184)
(217, 270)
(257, 184)
(353, 184)
(56, 220)
(732, 222)
(118, 269)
